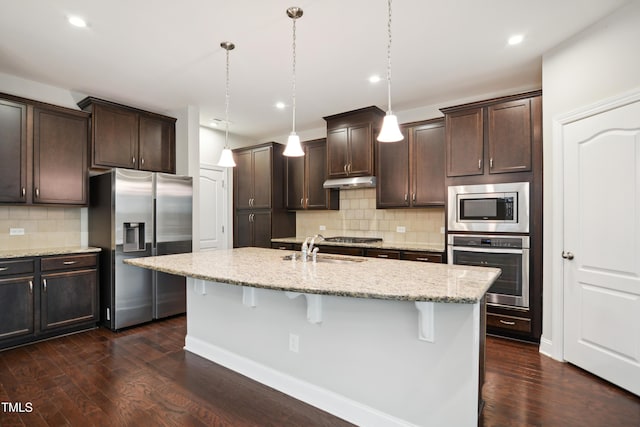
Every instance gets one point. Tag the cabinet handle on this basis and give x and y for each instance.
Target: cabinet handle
(479, 163)
(406, 197)
(31, 286)
(24, 192)
(422, 259)
(349, 168)
(142, 160)
(345, 168)
(302, 201)
(491, 163)
(44, 283)
(413, 197)
(4, 268)
(69, 262)
(37, 192)
(383, 256)
(504, 322)
(133, 160)
(307, 201)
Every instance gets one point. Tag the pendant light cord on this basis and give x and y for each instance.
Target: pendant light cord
(226, 107)
(294, 77)
(389, 59)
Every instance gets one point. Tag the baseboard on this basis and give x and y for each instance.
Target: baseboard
(546, 348)
(334, 403)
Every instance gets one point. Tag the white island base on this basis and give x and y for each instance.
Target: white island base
(372, 362)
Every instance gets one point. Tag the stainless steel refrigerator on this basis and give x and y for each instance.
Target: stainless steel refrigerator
(135, 214)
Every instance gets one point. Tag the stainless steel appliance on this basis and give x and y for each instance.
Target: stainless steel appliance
(135, 214)
(502, 207)
(508, 252)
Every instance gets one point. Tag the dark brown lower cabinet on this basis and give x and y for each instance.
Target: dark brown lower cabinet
(252, 228)
(42, 297)
(68, 298)
(17, 301)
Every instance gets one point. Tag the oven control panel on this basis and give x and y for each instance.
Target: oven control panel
(516, 242)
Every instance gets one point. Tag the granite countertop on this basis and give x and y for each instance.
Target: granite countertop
(360, 278)
(65, 250)
(402, 246)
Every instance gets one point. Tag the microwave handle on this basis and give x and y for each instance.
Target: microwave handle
(489, 249)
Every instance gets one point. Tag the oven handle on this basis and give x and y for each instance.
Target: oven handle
(490, 250)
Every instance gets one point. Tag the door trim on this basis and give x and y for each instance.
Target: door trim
(554, 347)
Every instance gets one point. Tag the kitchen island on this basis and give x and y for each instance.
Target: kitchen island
(375, 342)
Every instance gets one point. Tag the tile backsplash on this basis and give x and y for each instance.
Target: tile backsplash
(44, 227)
(359, 217)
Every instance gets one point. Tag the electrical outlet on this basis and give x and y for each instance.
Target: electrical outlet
(401, 229)
(294, 342)
(323, 227)
(441, 230)
(16, 232)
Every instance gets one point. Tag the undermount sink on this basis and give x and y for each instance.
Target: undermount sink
(329, 259)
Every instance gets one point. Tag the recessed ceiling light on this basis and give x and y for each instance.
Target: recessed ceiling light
(76, 21)
(517, 39)
(280, 105)
(374, 79)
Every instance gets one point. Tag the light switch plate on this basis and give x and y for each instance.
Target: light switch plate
(16, 232)
(401, 229)
(323, 227)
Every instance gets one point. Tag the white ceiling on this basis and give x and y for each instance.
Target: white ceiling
(163, 55)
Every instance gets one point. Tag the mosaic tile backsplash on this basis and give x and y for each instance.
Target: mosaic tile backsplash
(359, 217)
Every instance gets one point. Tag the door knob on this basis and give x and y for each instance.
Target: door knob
(567, 255)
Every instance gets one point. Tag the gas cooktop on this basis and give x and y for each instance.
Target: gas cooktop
(347, 239)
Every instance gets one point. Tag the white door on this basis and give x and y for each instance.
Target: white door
(602, 234)
(213, 208)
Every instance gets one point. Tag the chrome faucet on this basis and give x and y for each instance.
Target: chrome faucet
(313, 240)
(305, 248)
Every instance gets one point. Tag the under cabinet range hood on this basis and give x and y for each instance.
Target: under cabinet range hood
(350, 183)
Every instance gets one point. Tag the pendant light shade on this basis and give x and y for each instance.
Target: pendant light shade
(226, 157)
(293, 148)
(390, 131)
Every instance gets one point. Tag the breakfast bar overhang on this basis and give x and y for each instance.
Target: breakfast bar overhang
(375, 342)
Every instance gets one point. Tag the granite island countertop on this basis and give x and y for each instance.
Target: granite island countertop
(402, 246)
(64, 250)
(347, 276)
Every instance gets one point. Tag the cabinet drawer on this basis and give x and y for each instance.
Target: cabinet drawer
(512, 323)
(422, 256)
(8, 268)
(342, 250)
(383, 253)
(68, 262)
(283, 246)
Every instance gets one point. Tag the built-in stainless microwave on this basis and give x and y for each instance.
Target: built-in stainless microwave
(500, 207)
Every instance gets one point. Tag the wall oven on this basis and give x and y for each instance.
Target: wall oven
(502, 207)
(509, 253)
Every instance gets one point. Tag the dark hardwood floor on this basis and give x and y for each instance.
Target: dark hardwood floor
(142, 376)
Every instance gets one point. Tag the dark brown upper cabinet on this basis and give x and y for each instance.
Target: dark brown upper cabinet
(305, 179)
(127, 137)
(351, 142)
(258, 196)
(491, 137)
(43, 153)
(410, 173)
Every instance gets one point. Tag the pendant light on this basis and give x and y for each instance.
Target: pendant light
(390, 131)
(226, 157)
(293, 148)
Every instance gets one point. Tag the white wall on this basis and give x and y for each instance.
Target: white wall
(598, 63)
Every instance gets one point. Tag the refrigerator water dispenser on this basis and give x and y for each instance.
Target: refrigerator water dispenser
(133, 240)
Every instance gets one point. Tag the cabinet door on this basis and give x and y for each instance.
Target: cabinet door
(157, 149)
(392, 172)
(261, 222)
(16, 307)
(243, 179)
(337, 153)
(464, 136)
(68, 298)
(13, 152)
(295, 182)
(360, 154)
(60, 159)
(509, 136)
(316, 169)
(262, 178)
(242, 229)
(427, 165)
(115, 137)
